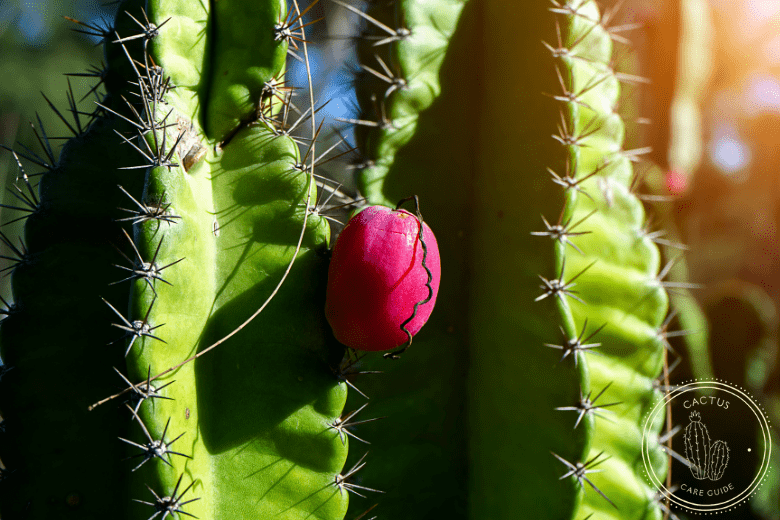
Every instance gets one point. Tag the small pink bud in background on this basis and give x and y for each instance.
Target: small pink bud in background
(376, 276)
(676, 182)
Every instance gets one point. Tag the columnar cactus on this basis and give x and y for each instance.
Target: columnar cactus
(166, 222)
(186, 170)
(719, 459)
(488, 156)
(697, 446)
(707, 459)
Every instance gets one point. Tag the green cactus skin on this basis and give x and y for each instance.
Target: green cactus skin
(520, 393)
(417, 58)
(55, 340)
(249, 428)
(619, 288)
(56, 368)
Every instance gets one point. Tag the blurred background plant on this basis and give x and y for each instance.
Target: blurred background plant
(713, 104)
(715, 132)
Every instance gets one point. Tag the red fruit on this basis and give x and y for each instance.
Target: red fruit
(376, 276)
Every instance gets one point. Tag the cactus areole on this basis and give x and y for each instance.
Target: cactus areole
(377, 276)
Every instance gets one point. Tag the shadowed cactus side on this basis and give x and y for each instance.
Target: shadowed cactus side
(408, 139)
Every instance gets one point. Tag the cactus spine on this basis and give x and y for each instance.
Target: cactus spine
(408, 138)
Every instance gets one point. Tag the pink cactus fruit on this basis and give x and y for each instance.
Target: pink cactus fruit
(376, 277)
(676, 182)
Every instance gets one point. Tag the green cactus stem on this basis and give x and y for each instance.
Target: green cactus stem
(547, 361)
(550, 320)
(186, 174)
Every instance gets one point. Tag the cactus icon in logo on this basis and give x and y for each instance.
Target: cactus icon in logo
(708, 460)
(702, 481)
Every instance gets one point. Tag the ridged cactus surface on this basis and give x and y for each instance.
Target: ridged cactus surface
(419, 453)
(200, 204)
(604, 278)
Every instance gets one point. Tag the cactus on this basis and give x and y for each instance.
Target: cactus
(216, 208)
(594, 341)
(697, 447)
(706, 459)
(532, 323)
(719, 459)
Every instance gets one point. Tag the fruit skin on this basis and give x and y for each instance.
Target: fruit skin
(376, 276)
